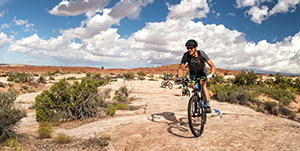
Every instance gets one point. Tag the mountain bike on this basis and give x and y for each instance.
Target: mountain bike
(196, 110)
(186, 91)
(168, 83)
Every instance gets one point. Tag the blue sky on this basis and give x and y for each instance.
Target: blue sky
(259, 35)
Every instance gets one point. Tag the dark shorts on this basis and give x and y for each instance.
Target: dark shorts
(200, 74)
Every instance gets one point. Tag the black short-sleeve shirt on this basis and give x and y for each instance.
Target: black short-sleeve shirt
(198, 62)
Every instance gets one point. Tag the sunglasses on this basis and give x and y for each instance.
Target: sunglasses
(190, 48)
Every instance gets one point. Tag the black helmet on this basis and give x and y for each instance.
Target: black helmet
(191, 42)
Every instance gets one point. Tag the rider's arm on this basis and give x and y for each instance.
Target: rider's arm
(212, 66)
(179, 71)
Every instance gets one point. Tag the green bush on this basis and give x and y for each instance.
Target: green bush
(122, 106)
(128, 75)
(66, 102)
(13, 144)
(111, 110)
(45, 130)
(122, 94)
(10, 114)
(141, 75)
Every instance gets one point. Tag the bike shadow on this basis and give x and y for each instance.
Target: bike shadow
(177, 127)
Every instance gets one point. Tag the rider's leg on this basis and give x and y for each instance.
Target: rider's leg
(206, 96)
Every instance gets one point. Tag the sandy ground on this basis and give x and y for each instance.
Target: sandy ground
(161, 124)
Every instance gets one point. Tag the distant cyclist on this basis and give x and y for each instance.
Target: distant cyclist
(185, 82)
(196, 60)
(166, 78)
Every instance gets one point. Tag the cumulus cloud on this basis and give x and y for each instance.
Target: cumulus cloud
(3, 39)
(76, 7)
(260, 12)
(188, 9)
(284, 6)
(128, 8)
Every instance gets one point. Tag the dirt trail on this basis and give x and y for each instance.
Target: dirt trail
(161, 124)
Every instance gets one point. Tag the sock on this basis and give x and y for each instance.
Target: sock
(207, 103)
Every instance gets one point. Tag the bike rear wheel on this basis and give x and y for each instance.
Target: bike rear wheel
(163, 84)
(196, 116)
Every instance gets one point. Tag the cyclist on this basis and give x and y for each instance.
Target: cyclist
(185, 83)
(196, 60)
(166, 78)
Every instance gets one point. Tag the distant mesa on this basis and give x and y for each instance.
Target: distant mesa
(12, 65)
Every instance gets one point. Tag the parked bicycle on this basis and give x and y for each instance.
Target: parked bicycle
(196, 110)
(167, 83)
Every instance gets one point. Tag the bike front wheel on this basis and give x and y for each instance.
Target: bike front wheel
(196, 116)
(170, 85)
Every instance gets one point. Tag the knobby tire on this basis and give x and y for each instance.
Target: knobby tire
(196, 120)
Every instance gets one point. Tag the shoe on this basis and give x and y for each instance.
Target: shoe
(208, 109)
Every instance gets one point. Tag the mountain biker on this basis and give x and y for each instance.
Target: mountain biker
(196, 60)
(166, 78)
(185, 83)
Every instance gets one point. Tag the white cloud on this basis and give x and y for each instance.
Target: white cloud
(96, 24)
(188, 9)
(284, 6)
(261, 12)
(3, 39)
(5, 25)
(128, 8)
(20, 22)
(76, 7)
(2, 13)
(258, 14)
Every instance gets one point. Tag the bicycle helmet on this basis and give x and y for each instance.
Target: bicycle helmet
(191, 42)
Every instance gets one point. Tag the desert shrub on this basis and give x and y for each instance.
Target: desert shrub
(71, 78)
(245, 78)
(128, 75)
(2, 85)
(292, 116)
(122, 106)
(106, 93)
(122, 94)
(240, 79)
(106, 136)
(66, 102)
(42, 79)
(45, 130)
(270, 106)
(233, 94)
(151, 79)
(111, 110)
(284, 111)
(279, 79)
(217, 79)
(141, 75)
(10, 114)
(61, 138)
(13, 144)
(51, 78)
